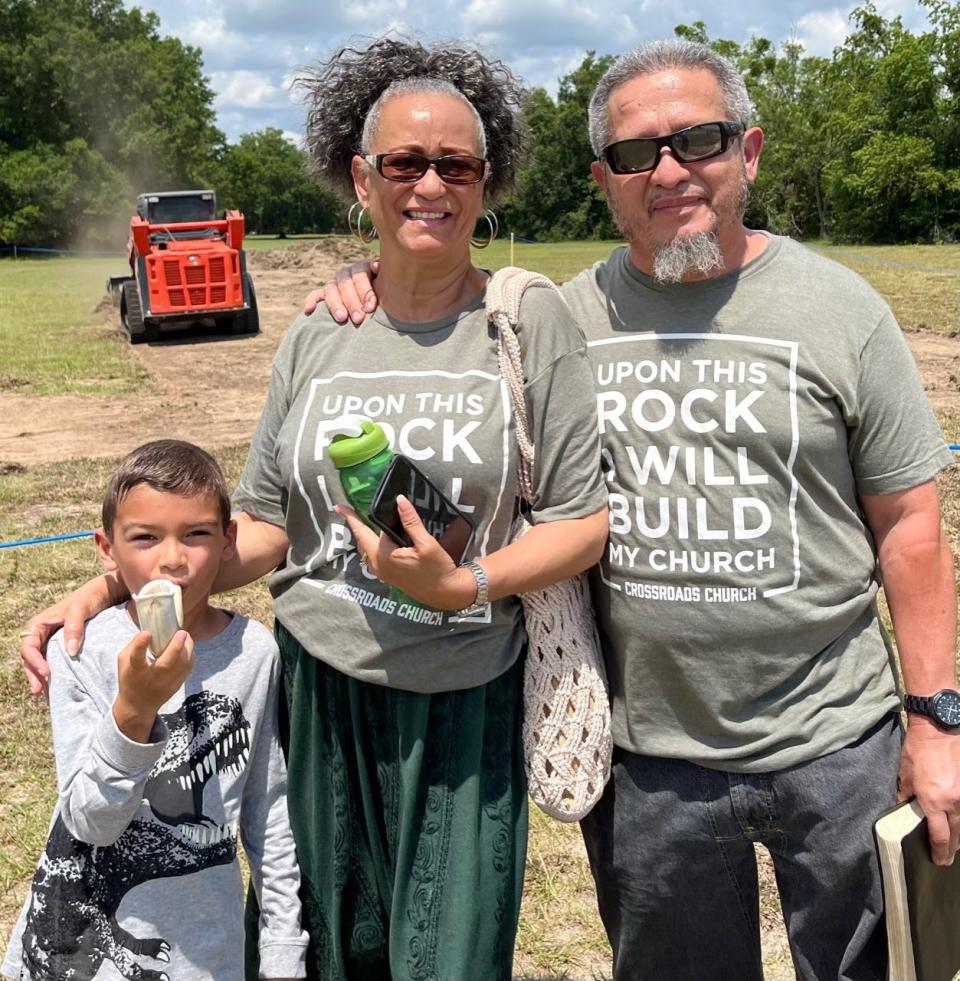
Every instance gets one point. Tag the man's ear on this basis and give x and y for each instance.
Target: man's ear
(105, 550)
(599, 174)
(752, 148)
(230, 541)
(359, 170)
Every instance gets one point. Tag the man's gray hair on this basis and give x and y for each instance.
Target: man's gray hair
(658, 56)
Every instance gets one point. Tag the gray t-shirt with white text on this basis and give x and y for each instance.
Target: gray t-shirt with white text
(436, 390)
(740, 418)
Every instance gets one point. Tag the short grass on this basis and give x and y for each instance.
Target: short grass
(558, 260)
(920, 282)
(52, 337)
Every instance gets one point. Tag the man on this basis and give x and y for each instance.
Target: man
(767, 445)
(767, 441)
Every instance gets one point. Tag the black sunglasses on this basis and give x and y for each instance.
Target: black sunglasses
(700, 142)
(406, 167)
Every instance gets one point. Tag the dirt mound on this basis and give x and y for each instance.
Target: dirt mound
(309, 255)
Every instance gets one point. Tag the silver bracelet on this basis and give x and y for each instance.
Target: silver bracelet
(483, 589)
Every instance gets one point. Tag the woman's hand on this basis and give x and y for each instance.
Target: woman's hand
(351, 290)
(71, 613)
(424, 571)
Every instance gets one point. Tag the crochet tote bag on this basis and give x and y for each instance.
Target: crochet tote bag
(566, 724)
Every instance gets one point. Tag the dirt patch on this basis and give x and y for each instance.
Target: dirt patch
(205, 388)
(308, 256)
(938, 356)
(211, 389)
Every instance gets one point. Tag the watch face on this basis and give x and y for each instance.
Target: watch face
(946, 707)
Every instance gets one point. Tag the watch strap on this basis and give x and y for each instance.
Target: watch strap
(483, 588)
(919, 705)
(932, 706)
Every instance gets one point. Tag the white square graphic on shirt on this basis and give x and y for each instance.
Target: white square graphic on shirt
(462, 420)
(701, 436)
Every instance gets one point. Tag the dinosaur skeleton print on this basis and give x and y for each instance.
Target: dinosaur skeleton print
(71, 926)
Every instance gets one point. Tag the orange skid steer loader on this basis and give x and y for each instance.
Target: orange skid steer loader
(186, 266)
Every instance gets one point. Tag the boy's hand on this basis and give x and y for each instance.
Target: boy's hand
(144, 685)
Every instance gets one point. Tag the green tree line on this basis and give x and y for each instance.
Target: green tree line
(863, 146)
(96, 106)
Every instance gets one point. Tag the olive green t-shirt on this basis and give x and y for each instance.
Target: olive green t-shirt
(436, 390)
(739, 419)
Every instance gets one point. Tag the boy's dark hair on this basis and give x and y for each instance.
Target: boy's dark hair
(171, 466)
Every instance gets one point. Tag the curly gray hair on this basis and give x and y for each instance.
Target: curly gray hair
(658, 56)
(345, 95)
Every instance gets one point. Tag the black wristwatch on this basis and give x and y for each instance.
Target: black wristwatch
(943, 708)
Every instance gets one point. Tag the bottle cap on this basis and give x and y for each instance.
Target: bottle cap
(348, 450)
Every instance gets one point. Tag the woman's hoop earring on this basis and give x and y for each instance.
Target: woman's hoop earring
(355, 223)
(494, 230)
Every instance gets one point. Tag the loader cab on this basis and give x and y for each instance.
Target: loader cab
(174, 207)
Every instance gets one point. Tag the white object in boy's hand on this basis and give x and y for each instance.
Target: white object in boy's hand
(160, 610)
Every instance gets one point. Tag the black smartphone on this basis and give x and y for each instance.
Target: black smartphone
(441, 517)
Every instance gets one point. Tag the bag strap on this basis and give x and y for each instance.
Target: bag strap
(504, 293)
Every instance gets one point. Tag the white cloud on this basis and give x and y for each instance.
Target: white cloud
(247, 90)
(534, 25)
(252, 48)
(373, 16)
(820, 31)
(209, 33)
(914, 16)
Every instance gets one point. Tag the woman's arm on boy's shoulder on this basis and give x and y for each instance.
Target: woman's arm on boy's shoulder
(268, 842)
(71, 613)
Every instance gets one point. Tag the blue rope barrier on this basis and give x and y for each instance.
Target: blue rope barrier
(17, 250)
(49, 538)
(59, 538)
(89, 534)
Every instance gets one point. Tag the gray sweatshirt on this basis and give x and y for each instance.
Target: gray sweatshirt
(140, 871)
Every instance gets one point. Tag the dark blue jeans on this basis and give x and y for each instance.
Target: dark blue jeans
(671, 849)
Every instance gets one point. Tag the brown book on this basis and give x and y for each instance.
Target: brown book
(921, 900)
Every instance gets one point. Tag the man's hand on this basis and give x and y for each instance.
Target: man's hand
(350, 295)
(145, 684)
(930, 770)
(917, 571)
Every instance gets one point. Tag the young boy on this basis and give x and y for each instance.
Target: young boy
(161, 763)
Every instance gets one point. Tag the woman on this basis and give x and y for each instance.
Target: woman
(408, 797)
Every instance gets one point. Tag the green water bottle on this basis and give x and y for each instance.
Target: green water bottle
(361, 456)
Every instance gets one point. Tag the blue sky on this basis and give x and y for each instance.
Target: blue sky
(253, 48)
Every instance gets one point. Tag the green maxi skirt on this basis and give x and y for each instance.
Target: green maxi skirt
(409, 813)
